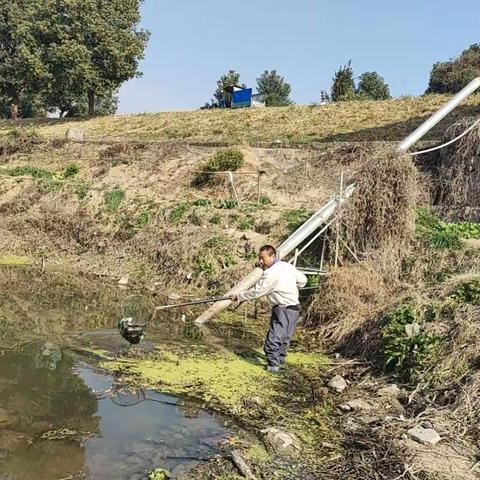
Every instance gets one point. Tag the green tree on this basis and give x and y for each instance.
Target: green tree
(373, 87)
(23, 73)
(343, 87)
(275, 89)
(220, 95)
(77, 106)
(93, 46)
(451, 76)
(29, 106)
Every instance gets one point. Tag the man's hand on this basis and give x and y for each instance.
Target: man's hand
(234, 298)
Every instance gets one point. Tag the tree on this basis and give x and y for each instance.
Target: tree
(373, 87)
(93, 47)
(77, 106)
(275, 89)
(221, 96)
(23, 73)
(28, 106)
(451, 76)
(343, 87)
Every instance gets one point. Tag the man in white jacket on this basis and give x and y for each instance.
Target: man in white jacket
(280, 282)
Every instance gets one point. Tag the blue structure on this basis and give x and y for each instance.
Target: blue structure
(242, 98)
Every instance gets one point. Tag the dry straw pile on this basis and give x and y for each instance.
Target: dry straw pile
(378, 223)
(459, 168)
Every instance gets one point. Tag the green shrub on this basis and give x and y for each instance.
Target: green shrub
(113, 199)
(230, 159)
(71, 170)
(407, 349)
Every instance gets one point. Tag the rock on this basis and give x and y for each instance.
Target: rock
(389, 391)
(75, 135)
(282, 443)
(357, 404)
(412, 329)
(124, 280)
(427, 436)
(337, 383)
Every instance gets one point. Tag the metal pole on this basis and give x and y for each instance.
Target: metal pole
(436, 117)
(303, 232)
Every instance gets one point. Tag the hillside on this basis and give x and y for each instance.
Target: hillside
(133, 203)
(359, 121)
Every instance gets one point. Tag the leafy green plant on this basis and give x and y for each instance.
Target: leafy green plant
(71, 170)
(435, 233)
(179, 210)
(227, 204)
(113, 199)
(202, 202)
(406, 347)
(467, 292)
(264, 200)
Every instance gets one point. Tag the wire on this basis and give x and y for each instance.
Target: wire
(471, 127)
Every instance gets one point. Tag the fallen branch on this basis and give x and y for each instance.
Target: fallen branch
(240, 463)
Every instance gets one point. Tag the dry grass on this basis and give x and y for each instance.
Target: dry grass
(459, 169)
(344, 121)
(351, 298)
(382, 209)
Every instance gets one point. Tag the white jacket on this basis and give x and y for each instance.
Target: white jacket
(279, 283)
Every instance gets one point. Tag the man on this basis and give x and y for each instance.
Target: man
(279, 283)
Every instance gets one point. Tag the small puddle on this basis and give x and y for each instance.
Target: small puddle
(60, 417)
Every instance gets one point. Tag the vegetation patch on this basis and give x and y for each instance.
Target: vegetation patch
(407, 348)
(437, 234)
(113, 199)
(227, 160)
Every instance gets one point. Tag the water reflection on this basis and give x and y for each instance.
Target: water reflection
(60, 418)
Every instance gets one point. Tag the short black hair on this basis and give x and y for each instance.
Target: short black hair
(272, 251)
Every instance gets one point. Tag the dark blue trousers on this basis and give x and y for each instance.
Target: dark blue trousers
(282, 326)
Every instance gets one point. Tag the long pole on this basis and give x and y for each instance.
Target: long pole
(289, 245)
(436, 117)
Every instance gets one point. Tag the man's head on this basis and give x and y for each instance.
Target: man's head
(267, 256)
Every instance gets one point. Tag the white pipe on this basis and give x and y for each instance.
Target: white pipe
(292, 242)
(436, 117)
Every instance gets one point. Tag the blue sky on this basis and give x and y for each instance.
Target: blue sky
(195, 41)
